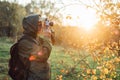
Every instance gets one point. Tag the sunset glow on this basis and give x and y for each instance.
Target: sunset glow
(81, 17)
(88, 20)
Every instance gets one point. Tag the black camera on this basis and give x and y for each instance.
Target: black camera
(51, 24)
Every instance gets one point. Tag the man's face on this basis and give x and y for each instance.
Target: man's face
(39, 26)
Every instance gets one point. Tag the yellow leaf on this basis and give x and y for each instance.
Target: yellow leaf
(117, 59)
(105, 71)
(88, 71)
(62, 71)
(93, 71)
(102, 76)
(94, 77)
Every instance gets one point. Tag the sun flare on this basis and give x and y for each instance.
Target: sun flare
(85, 18)
(88, 20)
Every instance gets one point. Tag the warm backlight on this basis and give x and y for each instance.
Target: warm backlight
(85, 18)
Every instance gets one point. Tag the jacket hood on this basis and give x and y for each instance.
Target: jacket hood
(30, 25)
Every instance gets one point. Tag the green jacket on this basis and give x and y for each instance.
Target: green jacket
(38, 53)
(34, 48)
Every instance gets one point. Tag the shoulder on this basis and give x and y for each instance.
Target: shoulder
(26, 44)
(27, 47)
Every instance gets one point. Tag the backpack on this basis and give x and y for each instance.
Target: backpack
(17, 70)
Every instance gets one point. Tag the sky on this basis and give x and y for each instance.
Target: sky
(81, 16)
(24, 2)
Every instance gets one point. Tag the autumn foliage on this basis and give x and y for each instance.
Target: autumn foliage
(101, 57)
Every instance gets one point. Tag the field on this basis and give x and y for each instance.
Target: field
(66, 63)
(58, 59)
(4, 57)
(57, 55)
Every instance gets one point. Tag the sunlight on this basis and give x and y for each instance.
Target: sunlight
(88, 20)
(85, 18)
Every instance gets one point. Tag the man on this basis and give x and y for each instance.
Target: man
(34, 48)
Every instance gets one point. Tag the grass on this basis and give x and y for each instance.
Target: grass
(57, 56)
(5, 45)
(60, 59)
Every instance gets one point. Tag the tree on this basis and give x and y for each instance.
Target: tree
(47, 8)
(11, 16)
(107, 10)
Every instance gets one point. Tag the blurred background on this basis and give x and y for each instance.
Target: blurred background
(87, 36)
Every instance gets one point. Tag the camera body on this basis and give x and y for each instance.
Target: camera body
(42, 20)
(51, 23)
